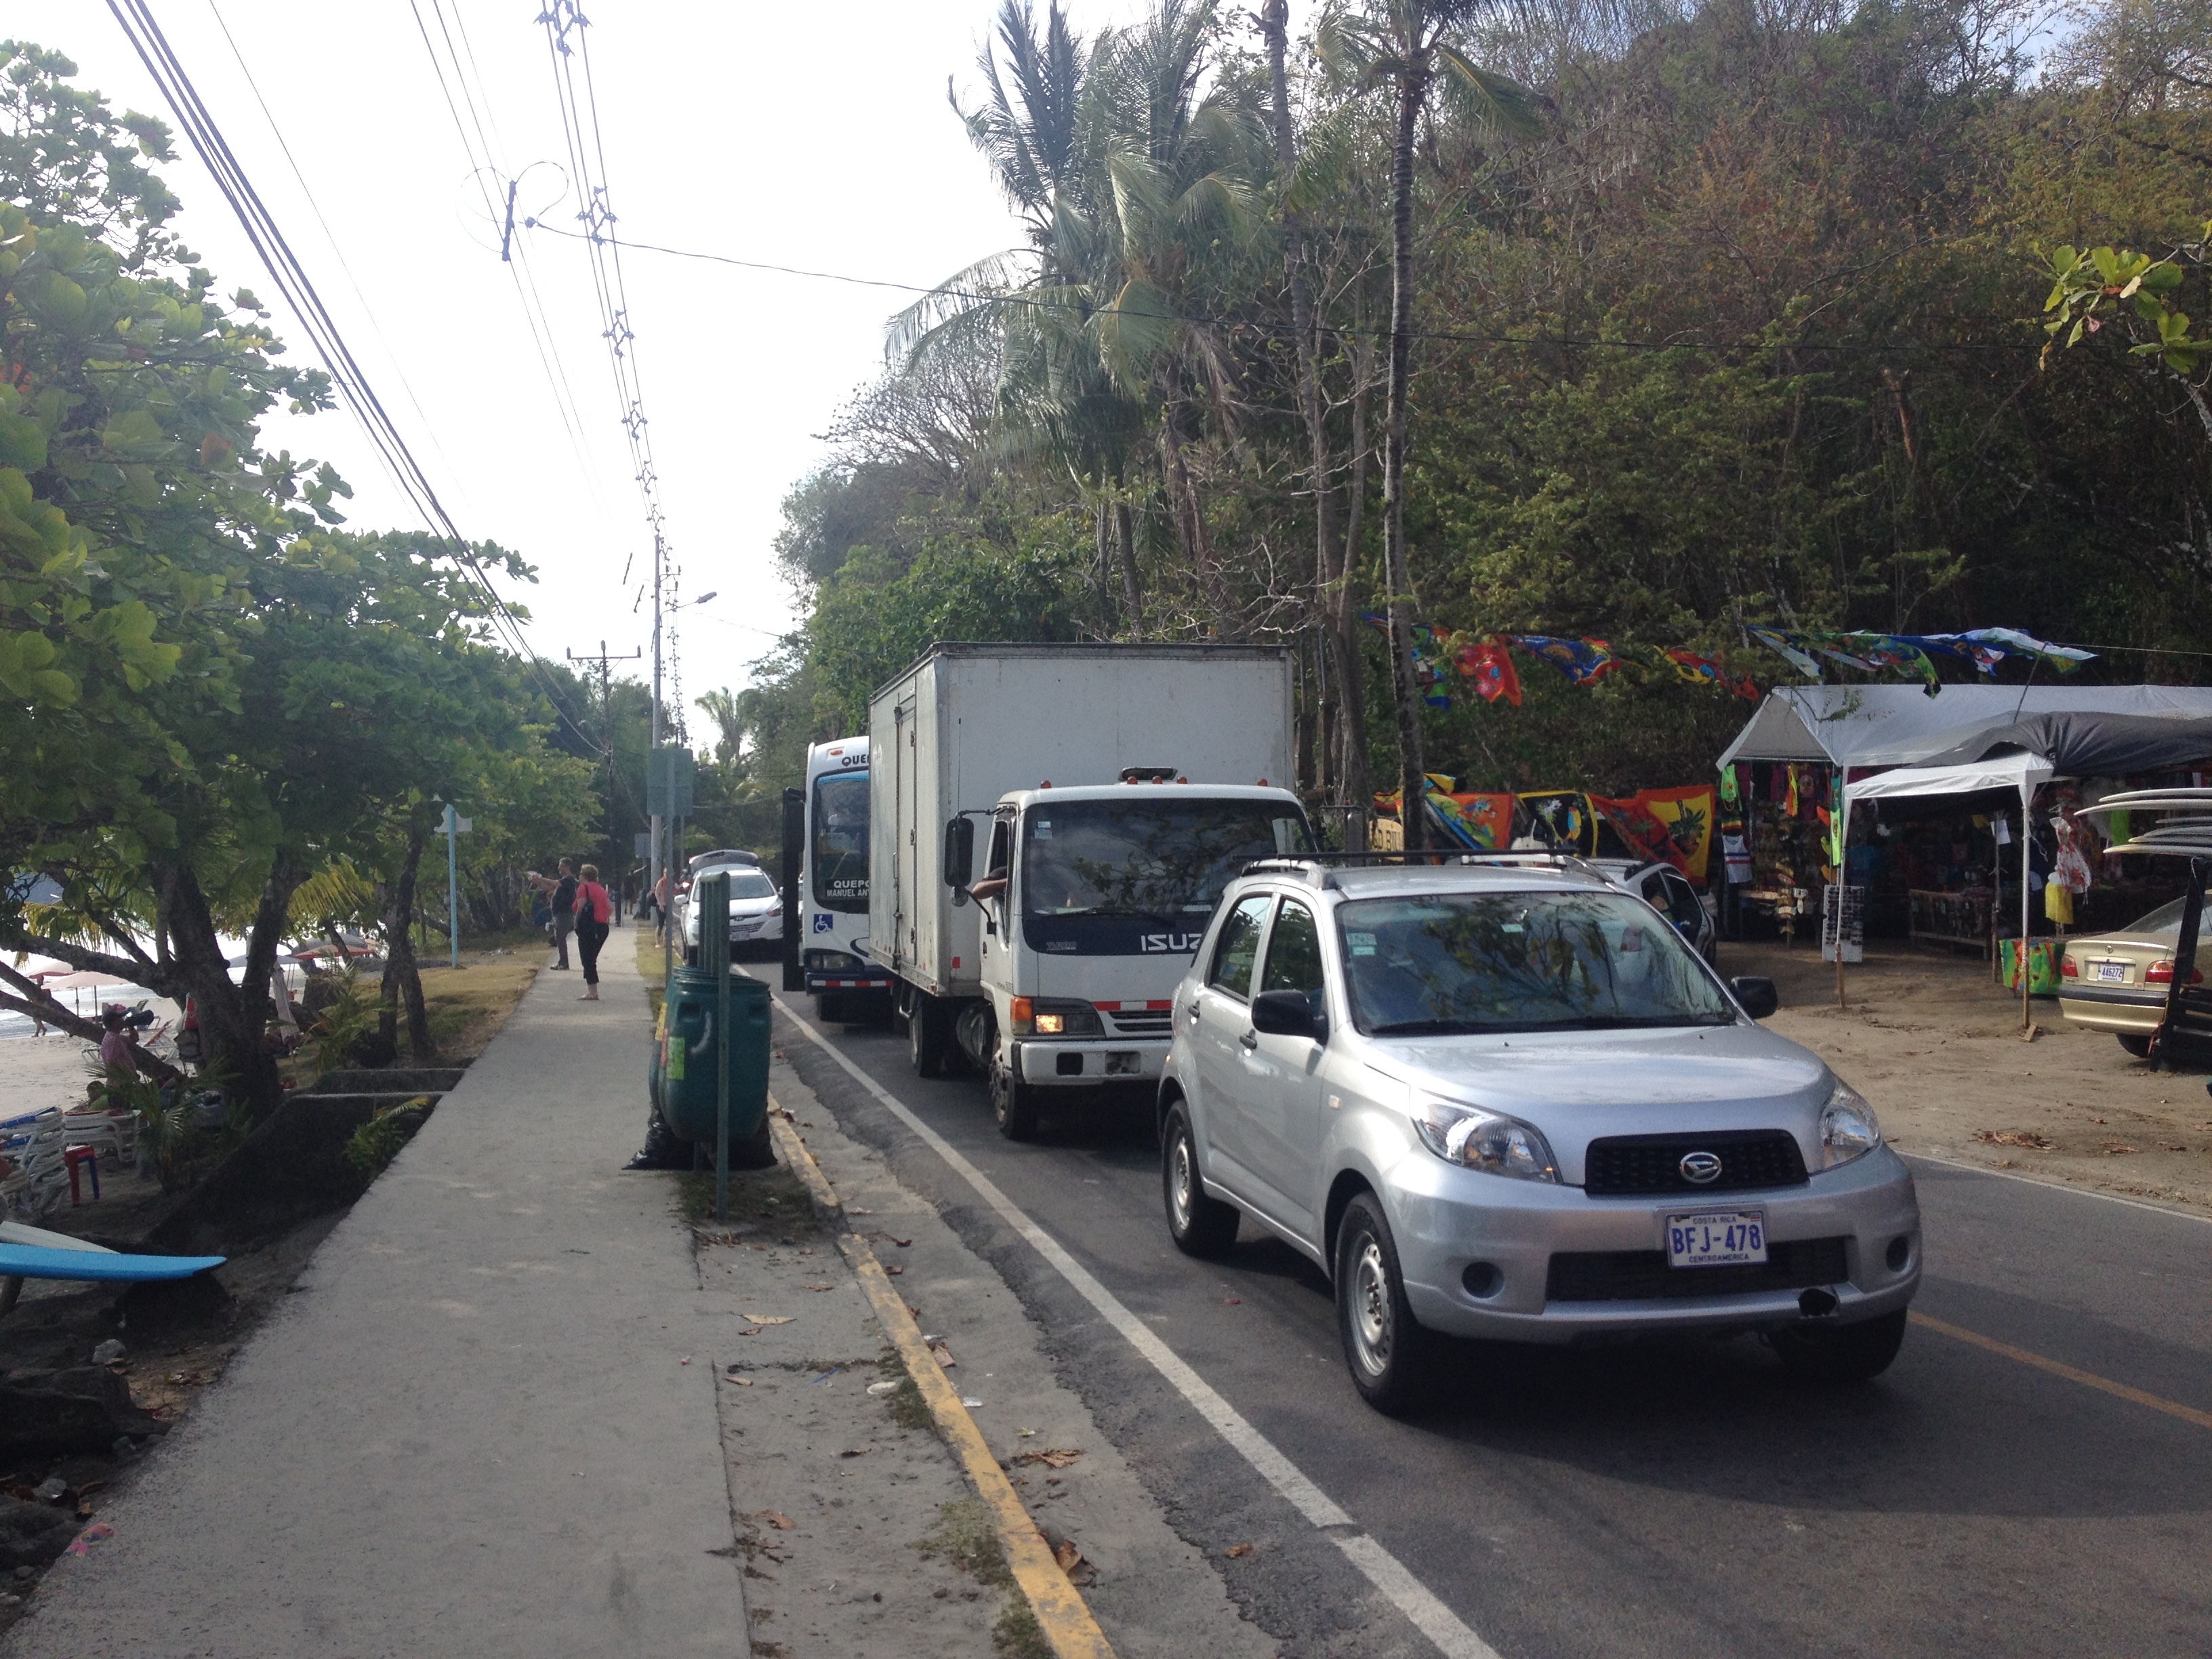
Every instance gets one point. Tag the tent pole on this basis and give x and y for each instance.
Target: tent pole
(1843, 853)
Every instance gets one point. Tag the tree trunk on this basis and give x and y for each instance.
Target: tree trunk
(1352, 689)
(1413, 80)
(233, 1016)
(1125, 534)
(1101, 571)
(1190, 528)
(402, 979)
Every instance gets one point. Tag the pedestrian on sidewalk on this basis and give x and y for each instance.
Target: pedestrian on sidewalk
(594, 912)
(564, 902)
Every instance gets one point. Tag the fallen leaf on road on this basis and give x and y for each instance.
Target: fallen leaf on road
(1237, 1552)
(2177, 1149)
(1058, 1457)
(2113, 1149)
(817, 1287)
(1078, 1571)
(775, 1518)
(942, 1355)
(902, 1243)
(768, 1319)
(895, 1270)
(743, 1382)
(1233, 1301)
(862, 1452)
(854, 1209)
(2027, 1137)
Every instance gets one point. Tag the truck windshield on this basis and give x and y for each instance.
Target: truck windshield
(839, 854)
(1439, 964)
(1164, 860)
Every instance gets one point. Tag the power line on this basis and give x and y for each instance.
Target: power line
(299, 292)
(1257, 325)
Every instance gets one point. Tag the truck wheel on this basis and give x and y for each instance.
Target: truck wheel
(928, 1036)
(1391, 1357)
(1201, 1226)
(829, 1009)
(1013, 1105)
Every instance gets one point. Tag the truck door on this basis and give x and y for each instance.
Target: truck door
(1220, 1016)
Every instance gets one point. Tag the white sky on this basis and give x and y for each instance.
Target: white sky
(803, 134)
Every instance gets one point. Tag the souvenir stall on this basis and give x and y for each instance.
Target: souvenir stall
(1982, 838)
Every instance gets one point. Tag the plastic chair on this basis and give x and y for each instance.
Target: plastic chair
(86, 1158)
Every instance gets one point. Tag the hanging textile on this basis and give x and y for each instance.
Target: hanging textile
(1645, 836)
(1490, 665)
(1703, 670)
(1730, 790)
(1736, 851)
(1585, 662)
(1783, 645)
(1483, 822)
(1895, 651)
(1791, 801)
(2064, 658)
(1561, 818)
(1685, 818)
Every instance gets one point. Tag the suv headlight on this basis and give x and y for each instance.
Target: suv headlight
(1476, 1140)
(1847, 1129)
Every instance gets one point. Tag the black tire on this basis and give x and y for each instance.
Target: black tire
(1013, 1105)
(829, 1009)
(928, 1036)
(1201, 1226)
(2139, 1046)
(1391, 1358)
(1841, 1353)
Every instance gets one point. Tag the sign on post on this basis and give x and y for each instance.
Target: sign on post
(1850, 924)
(669, 774)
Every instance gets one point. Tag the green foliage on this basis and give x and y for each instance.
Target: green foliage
(371, 1148)
(349, 1012)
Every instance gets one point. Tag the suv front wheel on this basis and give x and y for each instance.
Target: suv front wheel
(1201, 1226)
(1391, 1356)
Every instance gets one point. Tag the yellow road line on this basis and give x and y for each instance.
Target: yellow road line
(2088, 1379)
(1060, 1611)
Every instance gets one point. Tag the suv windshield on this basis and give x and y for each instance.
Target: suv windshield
(1443, 963)
(747, 881)
(839, 857)
(1164, 860)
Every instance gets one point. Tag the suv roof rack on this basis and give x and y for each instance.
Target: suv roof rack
(1320, 868)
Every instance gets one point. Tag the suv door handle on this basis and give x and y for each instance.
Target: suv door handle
(1193, 1010)
(1249, 1041)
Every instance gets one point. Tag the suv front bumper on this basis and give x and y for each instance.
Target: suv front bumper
(1448, 1220)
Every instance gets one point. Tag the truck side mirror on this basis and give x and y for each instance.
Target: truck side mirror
(959, 853)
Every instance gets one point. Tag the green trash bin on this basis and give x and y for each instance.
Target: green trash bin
(683, 1063)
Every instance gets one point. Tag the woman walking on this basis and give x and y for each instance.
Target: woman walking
(594, 910)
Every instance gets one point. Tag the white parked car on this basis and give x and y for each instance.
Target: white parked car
(755, 912)
(1506, 1100)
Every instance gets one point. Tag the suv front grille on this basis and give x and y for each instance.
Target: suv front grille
(1619, 1164)
(1644, 1276)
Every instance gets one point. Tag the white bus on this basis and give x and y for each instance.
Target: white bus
(833, 898)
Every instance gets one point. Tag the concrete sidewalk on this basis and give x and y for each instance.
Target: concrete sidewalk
(471, 1429)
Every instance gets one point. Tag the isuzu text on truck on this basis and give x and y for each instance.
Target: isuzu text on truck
(1053, 824)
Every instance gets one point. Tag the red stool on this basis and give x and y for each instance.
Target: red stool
(88, 1158)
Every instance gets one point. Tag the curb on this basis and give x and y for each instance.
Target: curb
(1061, 1611)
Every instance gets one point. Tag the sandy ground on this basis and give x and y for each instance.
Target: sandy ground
(36, 1072)
(1935, 1043)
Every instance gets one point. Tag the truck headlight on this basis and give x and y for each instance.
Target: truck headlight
(1847, 1129)
(1489, 1141)
(1052, 1017)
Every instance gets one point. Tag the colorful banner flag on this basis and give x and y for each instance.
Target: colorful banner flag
(1585, 662)
(1685, 815)
(1703, 670)
(1645, 836)
(1490, 665)
(1483, 822)
(1785, 646)
(1562, 818)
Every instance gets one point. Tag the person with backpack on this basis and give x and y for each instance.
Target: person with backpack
(594, 917)
(563, 902)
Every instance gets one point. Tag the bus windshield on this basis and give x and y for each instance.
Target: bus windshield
(839, 854)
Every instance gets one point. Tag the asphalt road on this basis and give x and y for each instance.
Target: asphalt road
(1670, 1500)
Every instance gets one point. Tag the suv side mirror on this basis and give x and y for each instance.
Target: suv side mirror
(1757, 993)
(959, 853)
(1286, 1013)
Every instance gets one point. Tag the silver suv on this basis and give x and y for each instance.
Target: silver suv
(1504, 1099)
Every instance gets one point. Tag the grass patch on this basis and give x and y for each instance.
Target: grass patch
(909, 1409)
(768, 1198)
(966, 1538)
(468, 1005)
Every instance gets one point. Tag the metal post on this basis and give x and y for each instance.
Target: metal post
(712, 896)
(453, 881)
(653, 866)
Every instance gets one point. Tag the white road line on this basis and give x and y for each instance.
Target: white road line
(2051, 1186)
(1383, 1569)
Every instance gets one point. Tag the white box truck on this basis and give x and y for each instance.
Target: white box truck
(1054, 825)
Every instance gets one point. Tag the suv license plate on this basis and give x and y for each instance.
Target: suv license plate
(1716, 1238)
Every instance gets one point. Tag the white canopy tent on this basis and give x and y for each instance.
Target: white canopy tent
(1856, 726)
(2025, 773)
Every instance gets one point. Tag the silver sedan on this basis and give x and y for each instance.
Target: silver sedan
(1506, 1101)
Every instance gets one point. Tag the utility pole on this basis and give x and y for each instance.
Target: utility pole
(607, 732)
(653, 865)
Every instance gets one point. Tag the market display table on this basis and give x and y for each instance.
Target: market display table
(1951, 918)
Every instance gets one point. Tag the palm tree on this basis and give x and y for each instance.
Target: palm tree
(1414, 45)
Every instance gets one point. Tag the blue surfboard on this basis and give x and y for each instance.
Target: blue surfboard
(34, 1261)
